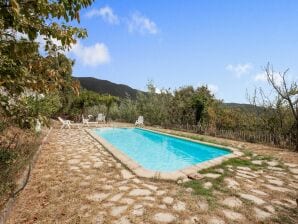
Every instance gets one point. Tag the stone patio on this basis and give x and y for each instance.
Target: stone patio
(75, 180)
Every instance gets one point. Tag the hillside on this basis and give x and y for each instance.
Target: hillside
(107, 87)
(121, 90)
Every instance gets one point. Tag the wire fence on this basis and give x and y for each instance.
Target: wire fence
(278, 140)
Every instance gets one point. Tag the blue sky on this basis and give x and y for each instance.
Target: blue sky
(224, 44)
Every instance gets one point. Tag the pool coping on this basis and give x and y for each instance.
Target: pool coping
(140, 171)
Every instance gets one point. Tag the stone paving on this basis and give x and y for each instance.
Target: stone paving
(77, 181)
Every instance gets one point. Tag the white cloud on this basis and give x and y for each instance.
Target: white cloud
(213, 88)
(106, 13)
(262, 76)
(239, 69)
(93, 55)
(141, 24)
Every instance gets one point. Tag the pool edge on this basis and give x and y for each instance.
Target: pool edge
(139, 171)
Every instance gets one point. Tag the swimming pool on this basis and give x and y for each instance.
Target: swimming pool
(159, 152)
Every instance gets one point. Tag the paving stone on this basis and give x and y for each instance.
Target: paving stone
(127, 201)
(179, 206)
(207, 185)
(292, 165)
(189, 190)
(220, 170)
(215, 220)
(140, 192)
(243, 168)
(164, 217)
(203, 206)
(138, 210)
(74, 161)
(257, 162)
(124, 188)
(276, 182)
(235, 216)
(261, 214)
(122, 220)
(259, 192)
(126, 174)
(168, 200)
(275, 188)
(116, 197)
(212, 175)
(252, 198)
(97, 196)
(232, 202)
(293, 170)
(232, 184)
(275, 168)
(270, 208)
(159, 193)
(116, 211)
(272, 163)
(151, 187)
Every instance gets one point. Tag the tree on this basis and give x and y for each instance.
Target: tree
(22, 68)
(287, 93)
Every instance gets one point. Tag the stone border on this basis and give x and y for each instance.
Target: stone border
(175, 175)
(21, 182)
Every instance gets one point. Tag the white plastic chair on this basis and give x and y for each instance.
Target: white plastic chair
(140, 121)
(85, 121)
(101, 118)
(65, 123)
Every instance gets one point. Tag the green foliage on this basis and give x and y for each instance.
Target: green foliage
(22, 68)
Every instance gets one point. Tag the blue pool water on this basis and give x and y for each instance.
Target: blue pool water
(159, 152)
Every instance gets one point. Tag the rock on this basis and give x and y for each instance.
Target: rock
(159, 193)
(275, 168)
(212, 175)
(97, 196)
(293, 170)
(232, 184)
(270, 209)
(123, 188)
(220, 170)
(116, 197)
(275, 188)
(164, 217)
(97, 165)
(126, 174)
(140, 192)
(179, 206)
(203, 206)
(73, 161)
(232, 202)
(276, 182)
(122, 220)
(138, 210)
(258, 192)
(243, 168)
(261, 215)
(189, 190)
(127, 201)
(235, 216)
(116, 211)
(272, 163)
(257, 162)
(151, 187)
(168, 200)
(215, 220)
(291, 165)
(252, 198)
(207, 185)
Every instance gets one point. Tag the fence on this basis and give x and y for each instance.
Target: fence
(278, 140)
